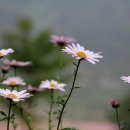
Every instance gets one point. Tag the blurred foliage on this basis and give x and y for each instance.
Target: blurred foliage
(36, 48)
(124, 113)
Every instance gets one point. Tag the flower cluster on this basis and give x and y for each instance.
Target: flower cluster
(72, 48)
(13, 81)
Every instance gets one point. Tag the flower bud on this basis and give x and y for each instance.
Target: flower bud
(5, 69)
(115, 103)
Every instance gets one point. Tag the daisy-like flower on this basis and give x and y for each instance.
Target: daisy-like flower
(14, 81)
(14, 95)
(126, 79)
(5, 52)
(52, 84)
(16, 64)
(61, 40)
(80, 53)
(31, 88)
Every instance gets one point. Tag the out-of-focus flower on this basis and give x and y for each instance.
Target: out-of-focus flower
(14, 81)
(5, 69)
(115, 103)
(126, 79)
(31, 88)
(16, 64)
(5, 52)
(14, 95)
(52, 84)
(80, 53)
(61, 40)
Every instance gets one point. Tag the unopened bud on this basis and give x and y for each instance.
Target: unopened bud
(115, 103)
(5, 69)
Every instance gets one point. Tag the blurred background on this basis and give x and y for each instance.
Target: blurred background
(100, 26)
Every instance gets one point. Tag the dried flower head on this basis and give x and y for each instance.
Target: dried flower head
(52, 84)
(80, 53)
(61, 40)
(14, 95)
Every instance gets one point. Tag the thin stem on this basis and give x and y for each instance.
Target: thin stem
(9, 111)
(59, 76)
(50, 111)
(60, 63)
(117, 118)
(15, 71)
(3, 77)
(13, 120)
(64, 105)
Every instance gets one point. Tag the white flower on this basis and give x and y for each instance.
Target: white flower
(14, 95)
(52, 85)
(126, 79)
(15, 63)
(80, 53)
(5, 52)
(14, 81)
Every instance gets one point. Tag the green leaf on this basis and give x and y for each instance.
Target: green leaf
(3, 113)
(12, 116)
(77, 87)
(3, 119)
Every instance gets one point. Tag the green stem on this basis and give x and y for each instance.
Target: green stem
(13, 120)
(117, 118)
(9, 111)
(3, 77)
(60, 63)
(15, 71)
(64, 105)
(50, 111)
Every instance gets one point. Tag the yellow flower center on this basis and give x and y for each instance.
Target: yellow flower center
(81, 54)
(11, 96)
(1, 54)
(52, 85)
(13, 83)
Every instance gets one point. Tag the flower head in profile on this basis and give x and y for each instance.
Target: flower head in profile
(5, 69)
(5, 52)
(14, 95)
(52, 84)
(31, 88)
(15, 63)
(79, 52)
(14, 81)
(126, 79)
(61, 40)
